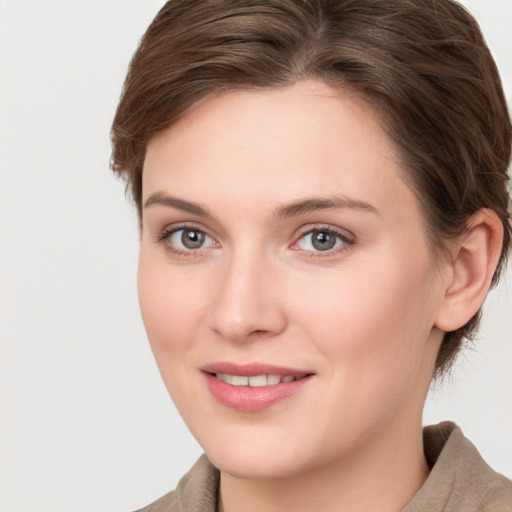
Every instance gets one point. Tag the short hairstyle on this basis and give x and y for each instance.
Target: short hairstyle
(422, 65)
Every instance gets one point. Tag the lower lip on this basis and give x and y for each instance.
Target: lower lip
(252, 399)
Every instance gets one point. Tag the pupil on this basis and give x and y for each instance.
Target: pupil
(192, 239)
(323, 240)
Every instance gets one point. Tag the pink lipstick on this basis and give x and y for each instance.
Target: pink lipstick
(253, 387)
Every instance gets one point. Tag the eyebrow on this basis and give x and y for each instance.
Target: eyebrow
(293, 209)
(309, 205)
(159, 198)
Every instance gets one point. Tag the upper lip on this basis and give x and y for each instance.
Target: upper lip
(252, 369)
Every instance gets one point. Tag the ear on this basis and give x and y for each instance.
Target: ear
(474, 258)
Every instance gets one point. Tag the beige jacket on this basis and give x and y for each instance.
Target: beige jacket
(460, 481)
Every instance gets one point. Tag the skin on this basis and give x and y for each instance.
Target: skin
(362, 317)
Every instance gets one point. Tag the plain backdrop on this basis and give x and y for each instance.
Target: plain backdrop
(85, 422)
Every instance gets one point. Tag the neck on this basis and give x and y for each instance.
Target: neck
(383, 476)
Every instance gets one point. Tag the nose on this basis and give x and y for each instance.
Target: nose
(246, 303)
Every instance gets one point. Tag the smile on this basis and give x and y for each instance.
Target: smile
(254, 387)
(256, 381)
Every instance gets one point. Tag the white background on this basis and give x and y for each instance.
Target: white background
(85, 422)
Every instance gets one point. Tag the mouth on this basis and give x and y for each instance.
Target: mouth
(253, 387)
(257, 381)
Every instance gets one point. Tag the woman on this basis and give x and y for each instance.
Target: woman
(321, 187)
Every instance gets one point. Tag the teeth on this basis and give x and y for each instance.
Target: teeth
(239, 380)
(258, 380)
(225, 377)
(255, 381)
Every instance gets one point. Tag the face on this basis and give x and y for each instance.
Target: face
(285, 280)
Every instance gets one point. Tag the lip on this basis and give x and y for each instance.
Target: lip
(253, 369)
(253, 399)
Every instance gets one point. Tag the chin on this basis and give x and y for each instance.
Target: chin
(252, 457)
(260, 466)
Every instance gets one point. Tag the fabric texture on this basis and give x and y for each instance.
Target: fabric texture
(460, 480)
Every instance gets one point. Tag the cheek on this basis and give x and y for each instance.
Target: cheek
(171, 311)
(169, 304)
(373, 319)
(371, 333)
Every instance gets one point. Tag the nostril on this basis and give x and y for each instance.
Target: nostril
(258, 333)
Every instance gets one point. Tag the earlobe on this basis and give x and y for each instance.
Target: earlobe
(474, 258)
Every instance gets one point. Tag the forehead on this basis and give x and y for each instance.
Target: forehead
(273, 146)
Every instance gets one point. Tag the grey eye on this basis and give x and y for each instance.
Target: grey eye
(192, 239)
(189, 239)
(320, 240)
(323, 240)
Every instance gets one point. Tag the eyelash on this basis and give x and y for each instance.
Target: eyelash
(165, 235)
(347, 241)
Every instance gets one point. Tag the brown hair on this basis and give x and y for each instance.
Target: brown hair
(422, 64)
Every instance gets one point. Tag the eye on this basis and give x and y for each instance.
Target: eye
(323, 240)
(185, 240)
(189, 239)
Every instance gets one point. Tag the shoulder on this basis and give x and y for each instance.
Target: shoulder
(196, 491)
(167, 503)
(460, 480)
(498, 498)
